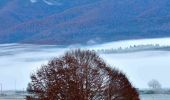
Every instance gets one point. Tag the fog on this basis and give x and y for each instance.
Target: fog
(141, 67)
(18, 61)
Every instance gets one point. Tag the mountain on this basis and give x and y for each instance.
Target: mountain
(67, 22)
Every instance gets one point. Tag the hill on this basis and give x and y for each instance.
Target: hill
(86, 22)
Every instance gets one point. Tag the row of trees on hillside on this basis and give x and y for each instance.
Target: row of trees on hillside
(131, 48)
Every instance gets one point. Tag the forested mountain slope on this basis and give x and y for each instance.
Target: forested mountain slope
(82, 21)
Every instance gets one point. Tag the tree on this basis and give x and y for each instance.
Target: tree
(154, 85)
(80, 75)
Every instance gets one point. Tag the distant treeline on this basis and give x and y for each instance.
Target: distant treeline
(133, 48)
(150, 91)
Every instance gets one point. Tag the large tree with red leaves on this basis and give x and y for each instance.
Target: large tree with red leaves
(80, 75)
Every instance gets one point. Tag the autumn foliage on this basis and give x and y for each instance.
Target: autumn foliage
(80, 75)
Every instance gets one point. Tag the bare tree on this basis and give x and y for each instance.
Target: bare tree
(154, 85)
(80, 75)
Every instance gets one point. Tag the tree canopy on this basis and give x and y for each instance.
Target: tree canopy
(80, 75)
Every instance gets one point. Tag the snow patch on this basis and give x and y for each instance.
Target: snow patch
(52, 2)
(33, 1)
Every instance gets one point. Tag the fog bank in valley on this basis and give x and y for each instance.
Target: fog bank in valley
(18, 61)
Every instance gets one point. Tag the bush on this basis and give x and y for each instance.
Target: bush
(80, 75)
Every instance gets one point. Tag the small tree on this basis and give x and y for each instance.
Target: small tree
(155, 86)
(80, 75)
